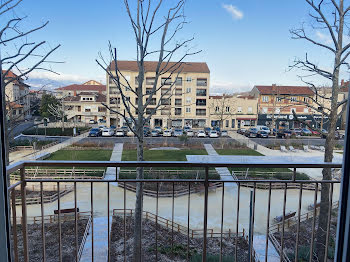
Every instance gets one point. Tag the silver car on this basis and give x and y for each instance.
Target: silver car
(178, 132)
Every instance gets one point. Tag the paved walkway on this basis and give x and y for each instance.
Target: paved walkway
(116, 156)
(100, 240)
(222, 171)
(259, 243)
(38, 154)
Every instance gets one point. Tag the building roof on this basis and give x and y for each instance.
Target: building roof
(92, 82)
(13, 105)
(99, 98)
(150, 66)
(284, 90)
(14, 78)
(81, 88)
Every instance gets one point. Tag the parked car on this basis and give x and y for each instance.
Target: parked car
(186, 128)
(217, 129)
(264, 128)
(296, 131)
(324, 133)
(102, 127)
(178, 132)
(241, 131)
(120, 132)
(189, 132)
(305, 132)
(262, 134)
(91, 121)
(314, 132)
(102, 121)
(284, 133)
(201, 133)
(158, 129)
(224, 133)
(213, 134)
(207, 130)
(154, 133)
(95, 132)
(251, 132)
(107, 132)
(167, 133)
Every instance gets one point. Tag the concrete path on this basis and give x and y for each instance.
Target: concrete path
(101, 231)
(116, 156)
(222, 171)
(259, 243)
(37, 154)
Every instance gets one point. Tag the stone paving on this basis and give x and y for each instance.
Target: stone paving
(111, 172)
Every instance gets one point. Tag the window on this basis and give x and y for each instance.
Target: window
(189, 79)
(148, 91)
(264, 110)
(233, 123)
(153, 102)
(178, 102)
(165, 101)
(227, 123)
(136, 80)
(136, 100)
(188, 110)
(265, 99)
(239, 109)
(293, 99)
(201, 112)
(217, 109)
(227, 109)
(293, 110)
(166, 81)
(277, 110)
(188, 100)
(306, 110)
(178, 111)
(279, 99)
(165, 91)
(150, 80)
(178, 81)
(201, 82)
(201, 92)
(201, 102)
(101, 109)
(250, 109)
(178, 91)
(306, 99)
(188, 90)
(149, 111)
(87, 109)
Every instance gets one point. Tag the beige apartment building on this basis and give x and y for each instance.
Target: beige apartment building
(231, 112)
(17, 97)
(186, 104)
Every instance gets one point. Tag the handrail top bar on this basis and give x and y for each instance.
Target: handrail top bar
(209, 164)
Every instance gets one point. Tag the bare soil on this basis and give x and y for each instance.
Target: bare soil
(305, 236)
(32, 194)
(171, 247)
(52, 240)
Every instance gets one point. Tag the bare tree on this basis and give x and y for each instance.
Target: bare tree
(57, 110)
(150, 23)
(17, 52)
(222, 108)
(329, 18)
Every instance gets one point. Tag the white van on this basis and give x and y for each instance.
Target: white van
(263, 128)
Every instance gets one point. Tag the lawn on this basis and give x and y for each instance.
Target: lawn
(163, 155)
(82, 155)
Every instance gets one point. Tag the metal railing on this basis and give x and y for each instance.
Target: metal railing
(234, 235)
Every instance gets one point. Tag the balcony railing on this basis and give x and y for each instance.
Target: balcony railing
(216, 221)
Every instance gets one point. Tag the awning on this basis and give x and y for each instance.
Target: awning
(245, 118)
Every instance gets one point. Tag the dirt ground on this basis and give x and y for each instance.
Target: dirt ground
(165, 243)
(52, 240)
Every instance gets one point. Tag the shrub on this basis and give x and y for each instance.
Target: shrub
(52, 131)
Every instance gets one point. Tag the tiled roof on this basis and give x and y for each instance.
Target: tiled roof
(14, 79)
(150, 66)
(14, 105)
(75, 87)
(284, 90)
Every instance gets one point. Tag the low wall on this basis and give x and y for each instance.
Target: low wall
(66, 124)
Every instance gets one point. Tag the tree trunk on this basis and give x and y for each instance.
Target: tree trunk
(138, 204)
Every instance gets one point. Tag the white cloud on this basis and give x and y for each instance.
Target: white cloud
(57, 77)
(222, 87)
(326, 39)
(233, 11)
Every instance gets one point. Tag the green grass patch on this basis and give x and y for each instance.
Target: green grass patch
(271, 173)
(81, 155)
(238, 152)
(162, 155)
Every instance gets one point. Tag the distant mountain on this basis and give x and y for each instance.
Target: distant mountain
(47, 84)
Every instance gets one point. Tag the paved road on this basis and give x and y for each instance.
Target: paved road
(21, 127)
(304, 141)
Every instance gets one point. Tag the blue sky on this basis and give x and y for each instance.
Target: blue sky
(244, 42)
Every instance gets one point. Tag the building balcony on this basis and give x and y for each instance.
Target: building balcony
(91, 215)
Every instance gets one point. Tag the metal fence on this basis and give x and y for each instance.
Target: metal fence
(183, 228)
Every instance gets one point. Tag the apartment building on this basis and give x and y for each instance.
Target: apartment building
(91, 86)
(184, 105)
(276, 104)
(232, 112)
(84, 107)
(17, 97)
